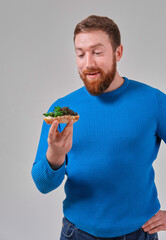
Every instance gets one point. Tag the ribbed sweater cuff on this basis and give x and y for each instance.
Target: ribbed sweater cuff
(52, 172)
(45, 178)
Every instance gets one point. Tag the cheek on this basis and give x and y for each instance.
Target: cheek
(105, 66)
(101, 63)
(80, 65)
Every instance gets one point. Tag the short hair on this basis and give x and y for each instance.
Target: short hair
(104, 24)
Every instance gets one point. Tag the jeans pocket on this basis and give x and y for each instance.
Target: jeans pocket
(67, 228)
(155, 237)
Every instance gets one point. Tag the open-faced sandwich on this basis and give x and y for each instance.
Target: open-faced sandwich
(63, 115)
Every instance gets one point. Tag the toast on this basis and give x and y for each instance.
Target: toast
(63, 115)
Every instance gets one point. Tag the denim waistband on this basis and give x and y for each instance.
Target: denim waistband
(69, 229)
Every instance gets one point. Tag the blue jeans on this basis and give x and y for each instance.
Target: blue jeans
(70, 232)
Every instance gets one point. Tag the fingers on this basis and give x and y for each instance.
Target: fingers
(152, 226)
(58, 142)
(53, 130)
(68, 129)
(153, 219)
(156, 223)
(157, 229)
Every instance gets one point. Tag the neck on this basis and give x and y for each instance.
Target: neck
(116, 83)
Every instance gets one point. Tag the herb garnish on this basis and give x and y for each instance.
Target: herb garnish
(56, 112)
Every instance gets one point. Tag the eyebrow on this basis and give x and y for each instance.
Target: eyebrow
(93, 46)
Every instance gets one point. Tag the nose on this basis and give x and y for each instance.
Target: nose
(90, 61)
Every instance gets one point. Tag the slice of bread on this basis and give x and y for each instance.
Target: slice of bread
(61, 119)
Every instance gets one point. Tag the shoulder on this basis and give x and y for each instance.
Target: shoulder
(67, 99)
(73, 95)
(142, 87)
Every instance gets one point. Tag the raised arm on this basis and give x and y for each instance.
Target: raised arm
(48, 170)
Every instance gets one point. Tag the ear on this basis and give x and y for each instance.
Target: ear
(119, 52)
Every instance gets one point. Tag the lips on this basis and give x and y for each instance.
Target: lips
(92, 75)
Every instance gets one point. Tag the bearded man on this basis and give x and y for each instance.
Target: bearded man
(107, 155)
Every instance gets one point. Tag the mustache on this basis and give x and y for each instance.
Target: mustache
(91, 70)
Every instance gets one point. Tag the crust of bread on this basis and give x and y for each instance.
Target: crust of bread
(61, 119)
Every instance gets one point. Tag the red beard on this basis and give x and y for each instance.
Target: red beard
(99, 84)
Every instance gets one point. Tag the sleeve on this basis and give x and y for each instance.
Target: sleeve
(161, 103)
(45, 178)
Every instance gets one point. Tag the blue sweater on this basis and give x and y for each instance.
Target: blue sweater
(110, 189)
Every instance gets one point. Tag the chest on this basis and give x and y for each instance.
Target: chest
(113, 125)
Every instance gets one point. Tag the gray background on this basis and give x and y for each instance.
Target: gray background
(37, 66)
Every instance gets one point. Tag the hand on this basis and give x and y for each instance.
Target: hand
(156, 223)
(59, 144)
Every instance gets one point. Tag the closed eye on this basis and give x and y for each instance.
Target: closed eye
(97, 53)
(80, 55)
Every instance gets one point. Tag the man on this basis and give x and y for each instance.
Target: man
(107, 155)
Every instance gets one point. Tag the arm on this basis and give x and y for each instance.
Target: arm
(161, 104)
(158, 221)
(48, 169)
(44, 176)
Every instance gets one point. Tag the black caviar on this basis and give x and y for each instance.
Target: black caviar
(58, 111)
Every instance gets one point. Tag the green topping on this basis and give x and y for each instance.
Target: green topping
(56, 112)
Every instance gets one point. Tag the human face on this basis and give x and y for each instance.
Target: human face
(96, 60)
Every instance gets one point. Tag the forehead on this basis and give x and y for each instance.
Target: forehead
(91, 38)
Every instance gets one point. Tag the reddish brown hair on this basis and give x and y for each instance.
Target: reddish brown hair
(104, 24)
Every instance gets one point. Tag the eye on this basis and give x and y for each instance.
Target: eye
(80, 55)
(97, 53)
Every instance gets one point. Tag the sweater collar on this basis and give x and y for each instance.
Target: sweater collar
(114, 92)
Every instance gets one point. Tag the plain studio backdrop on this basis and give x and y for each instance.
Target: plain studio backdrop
(38, 66)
